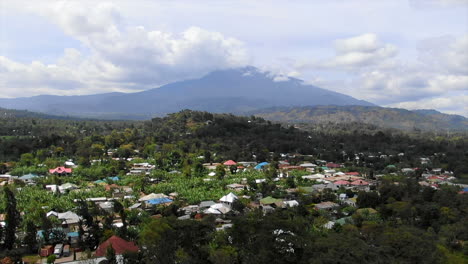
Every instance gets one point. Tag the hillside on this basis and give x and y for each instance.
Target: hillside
(225, 91)
(379, 116)
(12, 113)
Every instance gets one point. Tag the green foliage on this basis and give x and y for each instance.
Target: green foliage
(12, 218)
(51, 259)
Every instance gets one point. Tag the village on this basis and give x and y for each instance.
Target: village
(331, 190)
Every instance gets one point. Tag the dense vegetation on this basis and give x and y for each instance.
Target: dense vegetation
(427, 120)
(400, 221)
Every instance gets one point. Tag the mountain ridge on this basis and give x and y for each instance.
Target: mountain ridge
(232, 90)
(381, 116)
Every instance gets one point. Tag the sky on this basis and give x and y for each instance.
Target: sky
(399, 53)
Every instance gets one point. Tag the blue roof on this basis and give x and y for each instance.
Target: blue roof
(159, 201)
(40, 233)
(73, 234)
(115, 178)
(261, 165)
(28, 176)
(465, 189)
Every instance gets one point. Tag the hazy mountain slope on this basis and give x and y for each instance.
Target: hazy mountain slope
(379, 116)
(11, 114)
(234, 90)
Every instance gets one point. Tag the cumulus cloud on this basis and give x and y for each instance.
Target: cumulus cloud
(456, 104)
(358, 52)
(119, 57)
(372, 71)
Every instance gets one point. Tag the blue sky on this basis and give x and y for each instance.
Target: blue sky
(400, 53)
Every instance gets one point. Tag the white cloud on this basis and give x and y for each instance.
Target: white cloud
(119, 57)
(371, 71)
(357, 52)
(456, 104)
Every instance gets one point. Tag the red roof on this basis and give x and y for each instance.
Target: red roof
(118, 244)
(353, 173)
(229, 163)
(359, 182)
(60, 170)
(341, 182)
(333, 165)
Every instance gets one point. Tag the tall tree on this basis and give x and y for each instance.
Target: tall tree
(30, 238)
(12, 218)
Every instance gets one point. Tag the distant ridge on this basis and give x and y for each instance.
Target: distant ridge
(224, 91)
(379, 116)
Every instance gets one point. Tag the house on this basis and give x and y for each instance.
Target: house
(107, 206)
(152, 196)
(291, 203)
(62, 171)
(229, 163)
(332, 165)
(119, 245)
(52, 188)
(205, 204)
(267, 209)
(29, 178)
(211, 166)
(359, 183)
(67, 187)
(407, 170)
(218, 209)
(141, 168)
(308, 165)
(159, 201)
(258, 181)
(341, 182)
(342, 196)
(313, 177)
(70, 164)
(326, 206)
(229, 199)
(70, 220)
(236, 186)
(261, 165)
(321, 187)
(271, 201)
(247, 164)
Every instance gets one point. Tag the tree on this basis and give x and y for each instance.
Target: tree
(27, 159)
(158, 241)
(51, 259)
(110, 255)
(46, 227)
(119, 208)
(368, 199)
(220, 172)
(12, 218)
(30, 238)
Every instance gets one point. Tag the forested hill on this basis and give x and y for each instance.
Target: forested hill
(379, 116)
(12, 113)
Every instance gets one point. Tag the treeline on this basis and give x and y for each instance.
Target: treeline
(219, 137)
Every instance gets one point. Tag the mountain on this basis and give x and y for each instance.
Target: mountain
(379, 116)
(232, 90)
(14, 114)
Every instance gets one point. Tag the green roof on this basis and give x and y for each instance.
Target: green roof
(369, 210)
(344, 220)
(269, 200)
